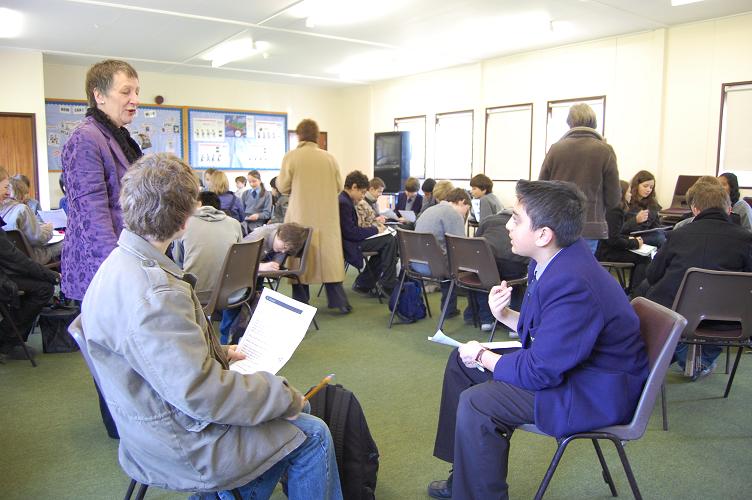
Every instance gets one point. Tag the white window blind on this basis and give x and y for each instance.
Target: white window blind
(454, 145)
(508, 141)
(735, 147)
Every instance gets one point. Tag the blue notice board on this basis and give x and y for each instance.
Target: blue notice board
(157, 129)
(236, 140)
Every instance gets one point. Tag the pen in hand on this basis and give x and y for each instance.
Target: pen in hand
(320, 386)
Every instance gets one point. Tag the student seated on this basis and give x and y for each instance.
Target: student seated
(63, 203)
(738, 206)
(581, 344)
(510, 266)
(241, 186)
(216, 182)
(448, 217)
(440, 191)
(481, 187)
(186, 421)
(643, 209)
(410, 198)
(375, 190)
(428, 198)
(19, 216)
(711, 241)
(279, 202)
(617, 247)
(280, 241)
(22, 188)
(257, 202)
(689, 218)
(380, 274)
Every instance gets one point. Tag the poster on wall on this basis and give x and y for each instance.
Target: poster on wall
(157, 129)
(236, 140)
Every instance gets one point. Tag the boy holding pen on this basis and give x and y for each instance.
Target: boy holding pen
(582, 364)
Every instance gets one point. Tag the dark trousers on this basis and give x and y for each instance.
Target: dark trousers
(335, 294)
(381, 267)
(476, 419)
(37, 294)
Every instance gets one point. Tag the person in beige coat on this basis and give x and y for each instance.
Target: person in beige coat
(312, 179)
(186, 421)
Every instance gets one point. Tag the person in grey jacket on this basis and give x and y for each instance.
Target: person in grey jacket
(186, 421)
(583, 157)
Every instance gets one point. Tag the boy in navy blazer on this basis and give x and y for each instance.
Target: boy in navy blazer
(582, 364)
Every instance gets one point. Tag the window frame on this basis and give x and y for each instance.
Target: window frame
(491, 110)
(437, 117)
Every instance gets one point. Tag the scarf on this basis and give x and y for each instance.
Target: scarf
(129, 147)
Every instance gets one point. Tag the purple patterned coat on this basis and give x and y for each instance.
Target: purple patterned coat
(93, 165)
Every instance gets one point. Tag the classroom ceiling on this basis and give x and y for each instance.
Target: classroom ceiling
(330, 42)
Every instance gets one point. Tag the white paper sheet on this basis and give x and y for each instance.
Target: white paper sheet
(57, 218)
(276, 328)
(408, 215)
(440, 338)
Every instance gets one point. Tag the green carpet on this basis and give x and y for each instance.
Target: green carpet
(54, 445)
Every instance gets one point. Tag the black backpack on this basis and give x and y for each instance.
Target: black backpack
(357, 455)
(411, 307)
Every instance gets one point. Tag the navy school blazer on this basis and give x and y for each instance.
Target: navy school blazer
(582, 353)
(402, 202)
(352, 235)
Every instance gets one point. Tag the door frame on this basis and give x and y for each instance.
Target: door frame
(35, 154)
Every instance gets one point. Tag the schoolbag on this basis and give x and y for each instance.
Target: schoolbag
(357, 454)
(411, 307)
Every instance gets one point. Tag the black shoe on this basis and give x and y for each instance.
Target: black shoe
(441, 489)
(345, 309)
(452, 314)
(362, 291)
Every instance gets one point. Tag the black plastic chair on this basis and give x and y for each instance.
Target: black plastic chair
(5, 313)
(473, 267)
(660, 328)
(19, 239)
(418, 251)
(623, 271)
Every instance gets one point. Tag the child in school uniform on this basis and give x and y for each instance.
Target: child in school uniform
(257, 202)
(481, 187)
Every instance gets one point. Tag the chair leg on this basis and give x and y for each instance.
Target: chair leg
(142, 492)
(552, 468)
(396, 302)
(129, 491)
(604, 468)
(6, 314)
(728, 358)
(425, 298)
(664, 408)
(733, 372)
(627, 468)
(316, 325)
(444, 306)
(493, 330)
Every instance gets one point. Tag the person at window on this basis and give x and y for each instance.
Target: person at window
(380, 274)
(643, 209)
(617, 247)
(481, 187)
(187, 422)
(582, 156)
(257, 202)
(738, 206)
(581, 350)
(216, 182)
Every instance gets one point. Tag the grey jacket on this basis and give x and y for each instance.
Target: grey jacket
(186, 422)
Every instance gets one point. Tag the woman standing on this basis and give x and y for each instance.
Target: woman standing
(313, 178)
(95, 158)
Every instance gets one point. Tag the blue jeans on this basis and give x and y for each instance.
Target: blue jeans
(593, 244)
(709, 354)
(484, 312)
(228, 316)
(311, 468)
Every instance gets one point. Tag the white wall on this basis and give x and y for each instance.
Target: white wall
(22, 91)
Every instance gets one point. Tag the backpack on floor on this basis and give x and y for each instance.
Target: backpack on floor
(411, 307)
(357, 454)
(54, 322)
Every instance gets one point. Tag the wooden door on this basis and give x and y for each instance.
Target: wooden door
(18, 151)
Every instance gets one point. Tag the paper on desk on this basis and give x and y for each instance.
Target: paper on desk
(386, 232)
(408, 215)
(645, 250)
(57, 218)
(389, 214)
(276, 328)
(56, 237)
(440, 338)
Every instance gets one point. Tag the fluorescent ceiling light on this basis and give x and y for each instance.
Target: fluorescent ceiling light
(676, 3)
(234, 50)
(11, 23)
(342, 12)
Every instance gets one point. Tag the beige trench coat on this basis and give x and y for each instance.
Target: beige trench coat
(312, 179)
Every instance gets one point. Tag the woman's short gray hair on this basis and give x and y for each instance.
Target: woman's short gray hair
(158, 195)
(581, 115)
(100, 77)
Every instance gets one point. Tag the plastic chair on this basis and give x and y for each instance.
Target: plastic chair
(5, 313)
(236, 285)
(620, 268)
(274, 278)
(660, 328)
(420, 251)
(19, 239)
(714, 295)
(80, 338)
(473, 267)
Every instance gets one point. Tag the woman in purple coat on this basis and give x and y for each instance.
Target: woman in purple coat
(94, 159)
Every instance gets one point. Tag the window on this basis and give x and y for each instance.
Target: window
(556, 124)
(416, 125)
(509, 139)
(734, 146)
(454, 146)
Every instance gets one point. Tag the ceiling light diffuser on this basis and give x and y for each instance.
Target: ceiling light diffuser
(11, 23)
(676, 3)
(234, 50)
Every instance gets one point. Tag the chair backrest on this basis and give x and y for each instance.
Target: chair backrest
(20, 241)
(716, 295)
(302, 254)
(76, 331)
(423, 250)
(471, 262)
(237, 280)
(660, 328)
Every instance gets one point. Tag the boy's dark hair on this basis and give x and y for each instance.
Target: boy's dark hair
(209, 199)
(412, 185)
(457, 195)
(557, 205)
(358, 178)
(376, 183)
(294, 235)
(273, 182)
(428, 185)
(482, 182)
(733, 183)
(242, 179)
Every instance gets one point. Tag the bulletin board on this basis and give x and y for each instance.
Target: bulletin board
(236, 140)
(157, 129)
